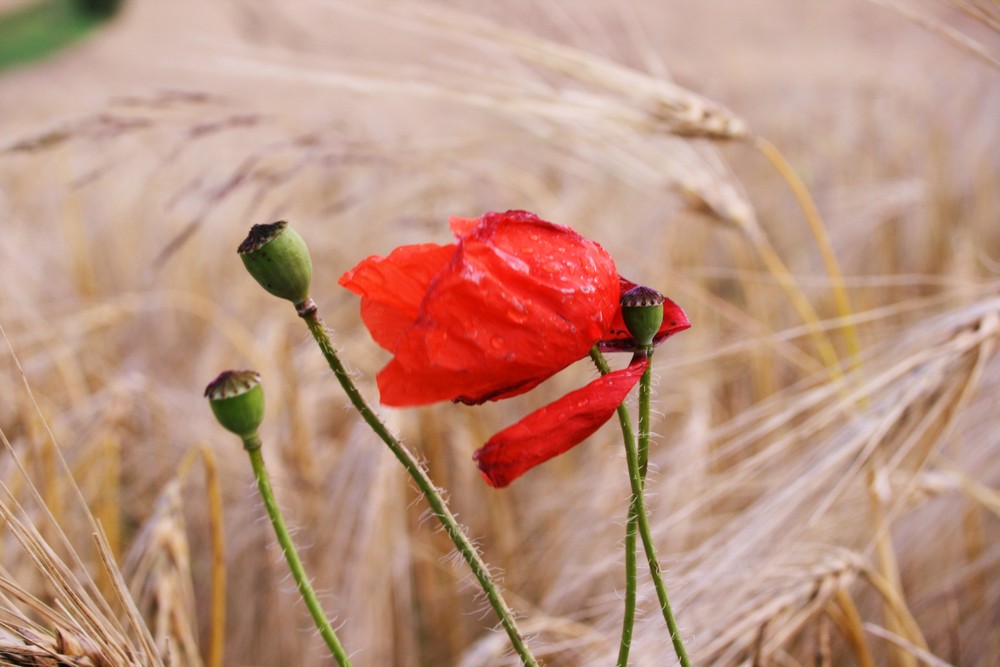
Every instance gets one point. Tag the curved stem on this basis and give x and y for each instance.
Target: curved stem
(631, 586)
(252, 445)
(307, 311)
(646, 533)
(637, 513)
(631, 562)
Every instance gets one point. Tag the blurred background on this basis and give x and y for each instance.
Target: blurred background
(817, 184)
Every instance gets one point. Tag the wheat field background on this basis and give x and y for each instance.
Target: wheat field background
(825, 483)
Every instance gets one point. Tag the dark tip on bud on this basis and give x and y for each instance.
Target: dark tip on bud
(231, 383)
(237, 399)
(278, 258)
(642, 310)
(261, 235)
(641, 296)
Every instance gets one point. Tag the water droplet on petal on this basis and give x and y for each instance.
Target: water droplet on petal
(497, 342)
(517, 315)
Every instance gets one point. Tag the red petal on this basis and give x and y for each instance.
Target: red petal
(392, 288)
(675, 320)
(462, 227)
(555, 428)
(520, 300)
(401, 387)
(618, 339)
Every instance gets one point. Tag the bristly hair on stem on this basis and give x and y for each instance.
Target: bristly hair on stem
(638, 520)
(433, 495)
(237, 399)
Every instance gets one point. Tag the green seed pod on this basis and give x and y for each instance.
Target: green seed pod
(278, 258)
(237, 399)
(642, 310)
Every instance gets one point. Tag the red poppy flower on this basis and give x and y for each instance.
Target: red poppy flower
(512, 302)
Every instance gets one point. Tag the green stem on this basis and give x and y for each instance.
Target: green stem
(638, 515)
(645, 399)
(646, 533)
(307, 311)
(631, 562)
(631, 586)
(252, 445)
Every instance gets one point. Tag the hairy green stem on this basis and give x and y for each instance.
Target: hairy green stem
(631, 562)
(645, 399)
(307, 310)
(252, 445)
(631, 586)
(639, 519)
(646, 533)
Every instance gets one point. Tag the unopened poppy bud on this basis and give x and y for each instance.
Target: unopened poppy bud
(237, 399)
(642, 310)
(278, 258)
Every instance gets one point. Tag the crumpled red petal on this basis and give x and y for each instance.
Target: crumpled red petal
(618, 338)
(520, 299)
(556, 428)
(392, 288)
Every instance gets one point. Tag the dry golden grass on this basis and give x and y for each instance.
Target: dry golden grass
(824, 484)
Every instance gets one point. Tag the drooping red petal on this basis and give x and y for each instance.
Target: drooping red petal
(556, 428)
(675, 320)
(392, 288)
(520, 299)
(618, 338)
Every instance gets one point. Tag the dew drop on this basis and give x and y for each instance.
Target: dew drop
(497, 342)
(517, 316)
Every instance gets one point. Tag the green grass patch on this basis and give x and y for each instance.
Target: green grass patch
(42, 28)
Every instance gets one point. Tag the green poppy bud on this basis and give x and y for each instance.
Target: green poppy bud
(278, 258)
(642, 310)
(237, 399)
